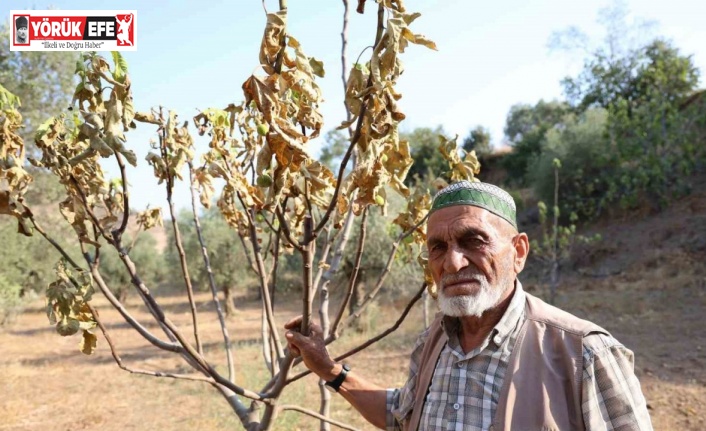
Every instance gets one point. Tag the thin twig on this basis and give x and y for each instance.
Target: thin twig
(119, 362)
(51, 241)
(383, 275)
(262, 275)
(275, 266)
(246, 250)
(373, 340)
(317, 416)
(126, 203)
(354, 275)
(211, 280)
(96, 248)
(285, 229)
(344, 61)
(90, 212)
(307, 253)
(184, 269)
(356, 135)
(169, 183)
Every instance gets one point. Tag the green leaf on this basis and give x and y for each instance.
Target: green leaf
(80, 67)
(7, 99)
(120, 71)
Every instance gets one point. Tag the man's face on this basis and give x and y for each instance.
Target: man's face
(22, 33)
(472, 257)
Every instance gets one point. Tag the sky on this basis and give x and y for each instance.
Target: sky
(491, 55)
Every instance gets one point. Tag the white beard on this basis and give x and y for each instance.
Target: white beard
(471, 305)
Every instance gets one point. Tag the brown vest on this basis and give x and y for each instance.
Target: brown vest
(542, 386)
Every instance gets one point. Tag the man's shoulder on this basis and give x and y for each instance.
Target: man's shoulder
(597, 344)
(540, 311)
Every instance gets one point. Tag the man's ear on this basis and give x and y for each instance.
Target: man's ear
(522, 247)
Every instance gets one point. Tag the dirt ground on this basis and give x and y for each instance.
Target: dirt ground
(645, 282)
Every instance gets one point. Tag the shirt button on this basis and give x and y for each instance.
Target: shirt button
(459, 364)
(457, 406)
(497, 339)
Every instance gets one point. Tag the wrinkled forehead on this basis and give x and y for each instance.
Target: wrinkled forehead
(464, 217)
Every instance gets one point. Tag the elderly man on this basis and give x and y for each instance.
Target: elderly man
(496, 358)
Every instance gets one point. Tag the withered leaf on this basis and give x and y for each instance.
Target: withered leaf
(87, 344)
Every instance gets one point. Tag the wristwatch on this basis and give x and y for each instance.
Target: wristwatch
(336, 383)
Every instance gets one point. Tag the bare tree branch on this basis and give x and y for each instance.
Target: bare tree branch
(317, 416)
(354, 275)
(375, 339)
(146, 334)
(262, 275)
(251, 264)
(211, 279)
(307, 253)
(119, 362)
(284, 226)
(126, 203)
(344, 60)
(356, 135)
(383, 275)
(51, 241)
(180, 248)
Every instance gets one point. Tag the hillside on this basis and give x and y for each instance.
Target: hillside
(645, 282)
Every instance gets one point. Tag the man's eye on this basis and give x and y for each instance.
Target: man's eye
(437, 248)
(474, 242)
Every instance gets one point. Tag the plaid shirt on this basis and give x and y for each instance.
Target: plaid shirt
(465, 388)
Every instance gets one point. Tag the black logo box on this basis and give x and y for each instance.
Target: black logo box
(106, 19)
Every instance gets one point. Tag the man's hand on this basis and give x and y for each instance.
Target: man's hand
(368, 398)
(311, 348)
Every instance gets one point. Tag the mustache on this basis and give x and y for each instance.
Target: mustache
(467, 274)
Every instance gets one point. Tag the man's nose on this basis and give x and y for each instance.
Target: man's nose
(455, 260)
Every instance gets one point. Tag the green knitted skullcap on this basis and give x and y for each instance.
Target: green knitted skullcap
(483, 195)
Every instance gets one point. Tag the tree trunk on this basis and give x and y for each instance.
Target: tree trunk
(228, 299)
(122, 294)
(357, 294)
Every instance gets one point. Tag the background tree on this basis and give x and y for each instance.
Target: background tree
(44, 83)
(424, 148)
(229, 264)
(143, 250)
(554, 246)
(642, 83)
(526, 127)
(478, 140)
(334, 148)
(608, 62)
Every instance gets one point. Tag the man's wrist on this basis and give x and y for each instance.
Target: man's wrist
(332, 373)
(335, 384)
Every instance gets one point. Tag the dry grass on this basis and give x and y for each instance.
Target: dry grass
(645, 283)
(47, 383)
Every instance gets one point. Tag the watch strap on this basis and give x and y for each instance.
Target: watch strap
(336, 383)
